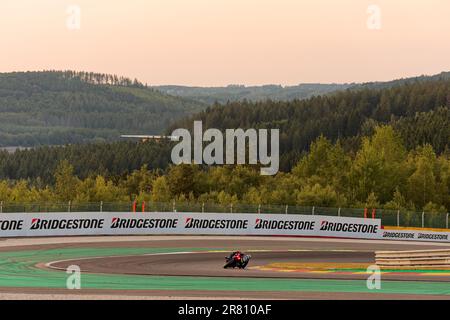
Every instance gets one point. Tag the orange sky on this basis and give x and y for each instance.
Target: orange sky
(219, 42)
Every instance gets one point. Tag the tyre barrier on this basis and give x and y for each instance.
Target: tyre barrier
(417, 258)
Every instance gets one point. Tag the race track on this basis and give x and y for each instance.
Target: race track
(192, 267)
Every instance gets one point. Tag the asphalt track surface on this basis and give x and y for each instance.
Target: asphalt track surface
(192, 267)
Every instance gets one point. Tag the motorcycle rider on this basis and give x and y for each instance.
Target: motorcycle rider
(236, 256)
(239, 258)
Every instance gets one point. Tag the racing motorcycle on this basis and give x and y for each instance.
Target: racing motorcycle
(237, 260)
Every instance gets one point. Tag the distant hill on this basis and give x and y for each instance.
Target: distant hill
(67, 107)
(54, 108)
(210, 95)
(232, 93)
(389, 84)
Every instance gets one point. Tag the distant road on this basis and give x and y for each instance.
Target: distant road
(13, 149)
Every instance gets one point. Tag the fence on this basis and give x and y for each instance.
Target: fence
(388, 217)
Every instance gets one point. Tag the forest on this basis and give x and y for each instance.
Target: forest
(418, 110)
(381, 174)
(69, 107)
(106, 159)
(66, 107)
(210, 95)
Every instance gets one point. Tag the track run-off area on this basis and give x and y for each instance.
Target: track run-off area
(160, 267)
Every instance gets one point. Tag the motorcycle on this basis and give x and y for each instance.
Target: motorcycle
(237, 260)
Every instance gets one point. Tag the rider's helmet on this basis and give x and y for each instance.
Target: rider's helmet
(237, 255)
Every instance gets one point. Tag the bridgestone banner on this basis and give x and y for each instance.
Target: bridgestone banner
(159, 223)
(416, 235)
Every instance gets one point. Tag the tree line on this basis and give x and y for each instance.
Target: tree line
(382, 173)
(101, 78)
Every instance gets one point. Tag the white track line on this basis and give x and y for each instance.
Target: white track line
(50, 264)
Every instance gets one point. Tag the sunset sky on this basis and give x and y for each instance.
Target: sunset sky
(220, 42)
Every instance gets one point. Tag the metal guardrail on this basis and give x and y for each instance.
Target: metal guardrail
(388, 217)
(416, 259)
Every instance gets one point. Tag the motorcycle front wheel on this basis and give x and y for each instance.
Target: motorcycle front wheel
(229, 264)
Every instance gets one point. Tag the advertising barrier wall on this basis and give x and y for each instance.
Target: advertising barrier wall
(110, 223)
(415, 235)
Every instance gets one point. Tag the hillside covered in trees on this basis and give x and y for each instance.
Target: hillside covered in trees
(55, 108)
(417, 109)
(419, 112)
(381, 174)
(67, 107)
(369, 146)
(210, 95)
